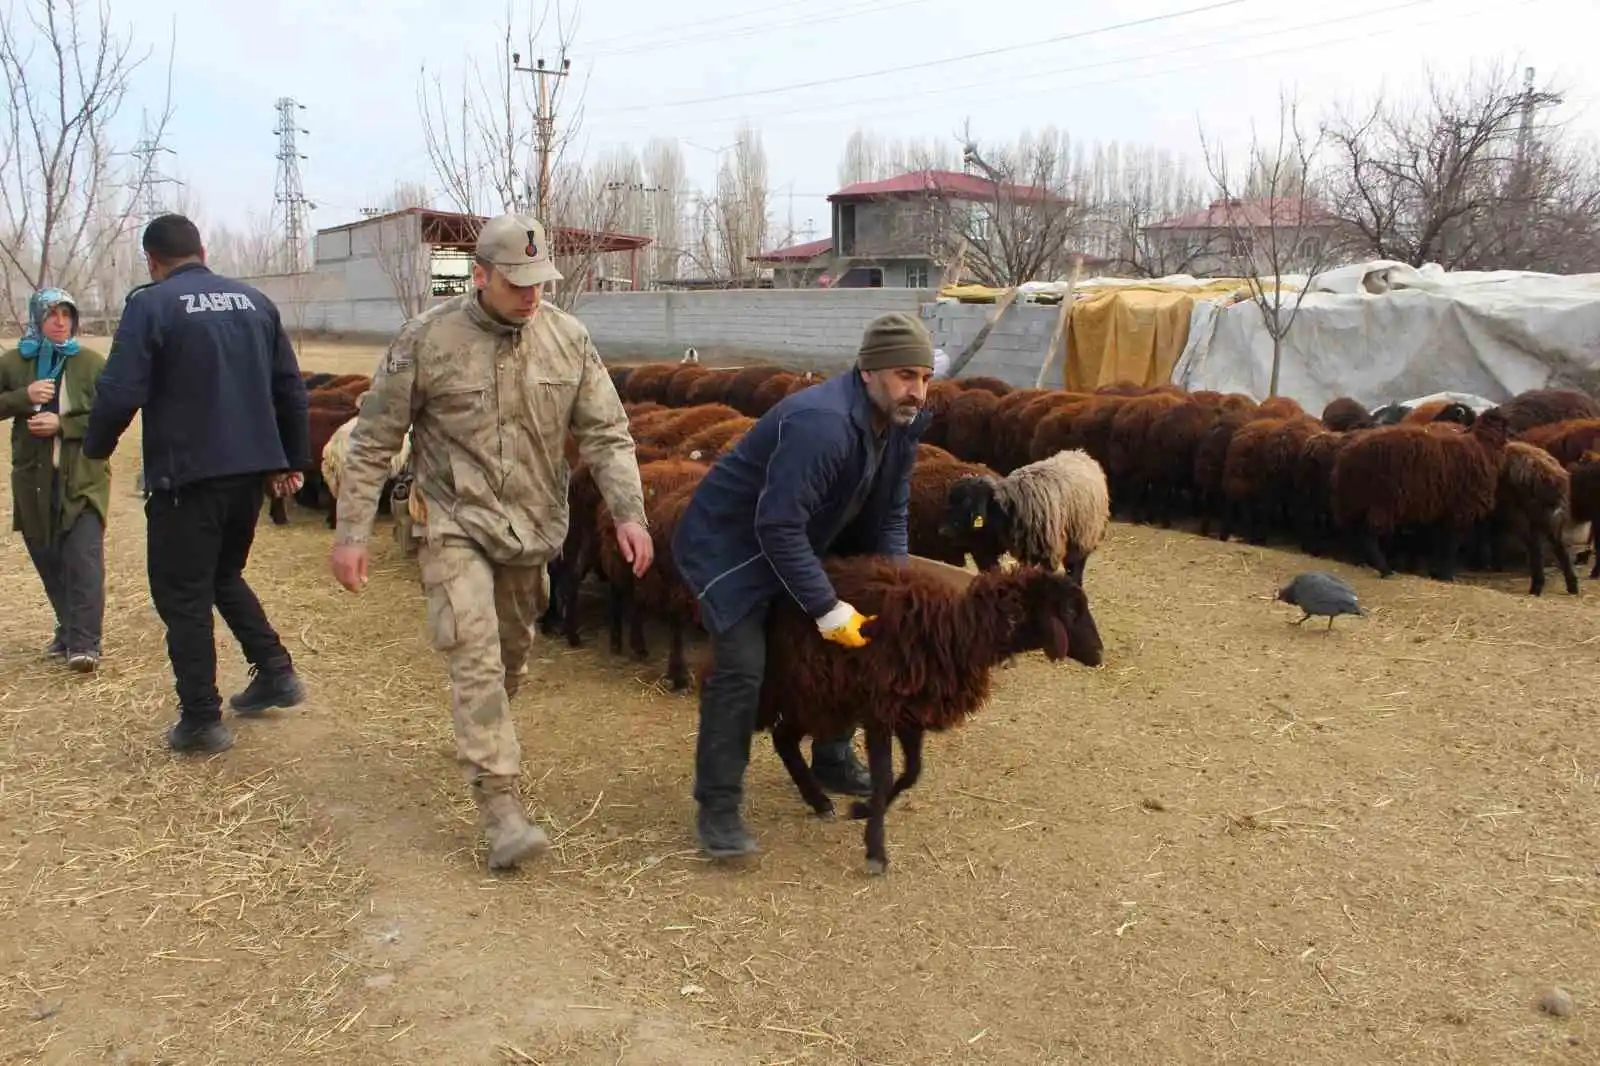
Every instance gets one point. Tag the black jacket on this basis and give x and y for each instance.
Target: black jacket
(208, 361)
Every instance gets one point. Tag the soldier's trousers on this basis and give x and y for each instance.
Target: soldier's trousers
(480, 616)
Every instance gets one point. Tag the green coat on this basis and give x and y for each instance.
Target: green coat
(84, 482)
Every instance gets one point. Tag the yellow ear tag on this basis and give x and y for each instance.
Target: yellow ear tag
(977, 522)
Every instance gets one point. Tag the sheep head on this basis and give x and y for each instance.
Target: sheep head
(1058, 618)
(1492, 428)
(972, 504)
(1456, 412)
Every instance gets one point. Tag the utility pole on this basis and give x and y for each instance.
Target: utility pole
(1531, 101)
(290, 193)
(544, 123)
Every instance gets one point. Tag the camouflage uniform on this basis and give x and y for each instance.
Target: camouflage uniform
(489, 406)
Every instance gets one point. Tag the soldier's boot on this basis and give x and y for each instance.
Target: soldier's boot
(272, 684)
(204, 737)
(512, 838)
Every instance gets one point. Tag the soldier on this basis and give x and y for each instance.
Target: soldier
(489, 384)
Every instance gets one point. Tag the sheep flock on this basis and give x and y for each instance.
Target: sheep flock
(1423, 490)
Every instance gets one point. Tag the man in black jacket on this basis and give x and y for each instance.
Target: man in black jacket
(206, 358)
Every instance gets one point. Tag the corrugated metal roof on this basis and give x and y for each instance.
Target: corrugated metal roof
(795, 252)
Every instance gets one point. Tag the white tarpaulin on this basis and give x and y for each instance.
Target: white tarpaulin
(1384, 331)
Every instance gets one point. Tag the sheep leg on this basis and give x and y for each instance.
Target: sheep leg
(1447, 545)
(617, 602)
(570, 580)
(278, 510)
(636, 641)
(1563, 557)
(677, 671)
(786, 742)
(1594, 549)
(1535, 553)
(1374, 553)
(333, 513)
(911, 747)
(1076, 562)
(880, 761)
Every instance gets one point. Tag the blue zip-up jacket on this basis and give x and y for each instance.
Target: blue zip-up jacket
(772, 506)
(208, 361)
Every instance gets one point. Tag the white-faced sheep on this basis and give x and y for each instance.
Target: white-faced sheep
(936, 635)
(1049, 513)
(332, 464)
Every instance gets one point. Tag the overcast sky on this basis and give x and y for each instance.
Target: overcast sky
(806, 73)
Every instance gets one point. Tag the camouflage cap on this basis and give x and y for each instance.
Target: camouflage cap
(515, 245)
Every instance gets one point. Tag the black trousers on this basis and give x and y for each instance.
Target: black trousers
(199, 542)
(730, 703)
(72, 569)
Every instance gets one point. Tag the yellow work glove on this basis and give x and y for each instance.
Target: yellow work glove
(842, 625)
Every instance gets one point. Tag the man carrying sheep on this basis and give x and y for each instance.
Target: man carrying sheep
(827, 471)
(489, 384)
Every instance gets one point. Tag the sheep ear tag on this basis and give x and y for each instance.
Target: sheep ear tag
(977, 521)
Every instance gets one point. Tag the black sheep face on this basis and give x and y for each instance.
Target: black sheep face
(971, 508)
(1459, 413)
(1059, 620)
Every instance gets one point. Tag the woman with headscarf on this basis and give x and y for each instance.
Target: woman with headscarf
(59, 498)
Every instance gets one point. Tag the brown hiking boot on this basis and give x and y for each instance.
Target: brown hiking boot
(512, 838)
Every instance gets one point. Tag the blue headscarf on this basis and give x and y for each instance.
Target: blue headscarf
(49, 358)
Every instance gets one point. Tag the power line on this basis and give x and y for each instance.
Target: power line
(290, 192)
(926, 64)
(829, 110)
(656, 32)
(875, 7)
(544, 121)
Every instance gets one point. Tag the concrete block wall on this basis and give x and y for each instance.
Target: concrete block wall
(803, 328)
(1014, 349)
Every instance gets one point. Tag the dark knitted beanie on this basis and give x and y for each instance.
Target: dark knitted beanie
(893, 340)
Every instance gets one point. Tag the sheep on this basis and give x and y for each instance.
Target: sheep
(709, 388)
(1536, 407)
(742, 388)
(936, 637)
(672, 429)
(1210, 462)
(1566, 440)
(1127, 445)
(1168, 461)
(930, 531)
(714, 440)
(1441, 411)
(660, 480)
(1585, 481)
(937, 404)
(987, 384)
(1419, 476)
(765, 396)
(1048, 513)
(1279, 407)
(968, 422)
(1344, 414)
(332, 465)
(649, 382)
(1534, 500)
(676, 393)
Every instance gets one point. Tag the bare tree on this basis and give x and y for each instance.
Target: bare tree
(405, 258)
(1283, 230)
(870, 156)
(1464, 179)
(1129, 192)
(1027, 219)
(668, 195)
(67, 74)
(726, 229)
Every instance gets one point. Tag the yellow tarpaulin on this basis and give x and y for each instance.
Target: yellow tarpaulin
(1127, 334)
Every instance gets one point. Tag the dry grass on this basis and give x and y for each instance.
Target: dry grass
(1240, 840)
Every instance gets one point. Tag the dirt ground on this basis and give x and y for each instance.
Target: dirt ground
(1238, 841)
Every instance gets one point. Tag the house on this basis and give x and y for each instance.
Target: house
(894, 233)
(1236, 237)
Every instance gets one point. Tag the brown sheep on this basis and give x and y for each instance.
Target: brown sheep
(661, 481)
(935, 641)
(1127, 446)
(1210, 462)
(742, 389)
(1584, 477)
(767, 394)
(673, 429)
(649, 382)
(1537, 407)
(1280, 407)
(708, 388)
(1567, 440)
(714, 441)
(1167, 464)
(676, 393)
(967, 424)
(937, 404)
(1533, 502)
(1419, 477)
(1344, 414)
